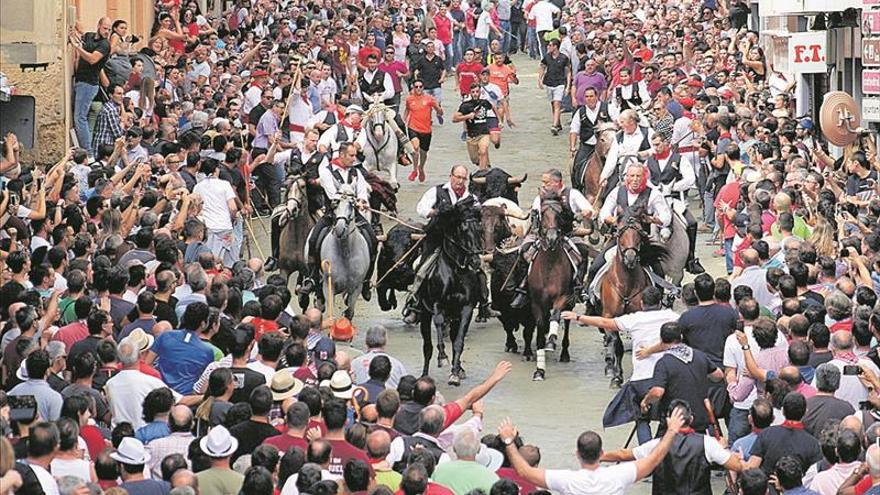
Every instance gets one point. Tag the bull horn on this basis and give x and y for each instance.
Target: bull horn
(382, 237)
(581, 232)
(478, 180)
(517, 180)
(417, 237)
(518, 217)
(486, 258)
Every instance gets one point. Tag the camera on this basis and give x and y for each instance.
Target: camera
(852, 370)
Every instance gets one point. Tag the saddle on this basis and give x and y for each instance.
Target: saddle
(600, 275)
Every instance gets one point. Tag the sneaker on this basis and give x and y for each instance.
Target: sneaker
(718, 252)
(271, 264)
(412, 175)
(422, 175)
(463, 136)
(554, 130)
(440, 119)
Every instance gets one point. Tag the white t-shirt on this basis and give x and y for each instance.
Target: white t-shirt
(126, 392)
(607, 480)
(734, 358)
(482, 29)
(216, 194)
(851, 388)
(543, 13)
(47, 482)
(713, 450)
(644, 329)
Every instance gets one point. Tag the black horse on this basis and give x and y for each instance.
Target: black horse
(451, 289)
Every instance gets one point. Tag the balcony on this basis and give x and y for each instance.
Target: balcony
(805, 7)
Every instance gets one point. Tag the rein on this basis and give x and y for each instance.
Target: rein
(400, 261)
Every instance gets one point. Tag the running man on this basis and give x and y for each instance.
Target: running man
(417, 113)
(554, 74)
(501, 74)
(474, 113)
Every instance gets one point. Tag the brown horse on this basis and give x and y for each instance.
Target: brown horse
(292, 240)
(621, 288)
(587, 175)
(550, 284)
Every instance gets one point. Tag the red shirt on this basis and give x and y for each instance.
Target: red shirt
(71, 334)
(94, 440)
(284, 442)
(467, 74)
(737, 253)
(343, 452)
(433, 489)
(453, 412)
(305, 375)
(729, 194)
(444, 28)
(320, 424)
(511, 474)
(262, 326)
(845, 325)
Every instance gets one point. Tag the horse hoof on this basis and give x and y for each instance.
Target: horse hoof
(528, 356)
(442, 362)
(616, 382)
(480, 319)
(511, 348)
(462, 374)
(538, 376)
(454, 380)
(551, 344)
(565, 358)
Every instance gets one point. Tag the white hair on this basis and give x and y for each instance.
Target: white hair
(465, 444)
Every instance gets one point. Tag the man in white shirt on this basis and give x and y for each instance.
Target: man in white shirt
(127, 389)
(543, 13)
(851, 388)
(346, 130)
(631, 141)
(42, 446)
(219, 208)
(592, 478)
(643, 328)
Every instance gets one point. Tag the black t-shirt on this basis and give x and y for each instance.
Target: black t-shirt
(255, 114)
(477, 126)
(245, 380)
(856, 185)
(706, 328)
(554, 69)
(685, 381)
(233, 176)
(165, 311)
(779, 441)
(822, 408)
(430, 71)
(90, 73)
(250, 434)
(819, 358)
(146, 487)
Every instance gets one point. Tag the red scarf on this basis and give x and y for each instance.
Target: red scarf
(664, 155)
(348, 124)
(687, 430)
(689, 114)
(792, 425)
(641, 186)
(338, 162)
(458, 192)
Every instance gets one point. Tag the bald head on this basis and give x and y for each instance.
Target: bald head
(343, 360)
(256, 265)
(750, 258)
(184, 477)
(314, 316)
(841, 342)
(181, 418)
(378, 444)
(872, 457)
(853, 423)
(791, 375)
(369, 413)
(782, 203)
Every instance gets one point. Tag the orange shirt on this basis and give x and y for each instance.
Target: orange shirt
(500, 76)
(419, 110)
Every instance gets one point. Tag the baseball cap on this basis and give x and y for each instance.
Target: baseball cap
(325, 350)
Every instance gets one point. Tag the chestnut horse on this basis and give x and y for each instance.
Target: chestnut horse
(587, 175)
(621, 288)
(550, 283)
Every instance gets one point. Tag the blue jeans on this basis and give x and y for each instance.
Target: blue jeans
(532, 41)
(738, 424)
(483, 44)
(458, 47)
(728, 255)
(709, 207)
(505, 36)
(83, 94)
(450, 57)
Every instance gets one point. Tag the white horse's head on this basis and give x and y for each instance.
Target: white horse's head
(376, 124)
(344, 211)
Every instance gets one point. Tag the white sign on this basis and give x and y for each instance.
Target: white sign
(871, 109)
(806, 52)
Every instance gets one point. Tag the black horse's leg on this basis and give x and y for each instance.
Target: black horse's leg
(528, 333)
(564, 357)
(608, 351)
(510, 326)
(427, 345)
(439, 327)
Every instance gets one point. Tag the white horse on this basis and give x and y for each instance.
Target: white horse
(380, 153)
(348, 253)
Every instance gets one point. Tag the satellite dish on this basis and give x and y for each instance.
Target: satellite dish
(839, 118)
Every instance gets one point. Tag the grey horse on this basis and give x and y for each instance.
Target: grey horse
(380, 153)
(348, 253)
(674, 257)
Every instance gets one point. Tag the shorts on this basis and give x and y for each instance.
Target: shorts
(475, 145)
(493, 124)
(555, 93)
(424, 138)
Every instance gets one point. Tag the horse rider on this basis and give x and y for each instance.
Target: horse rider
(340, 171)
(582, 136)
(302, 162)
(433, 201)
(574, 205)
(632, 142)
(347, 130)
(375, 86)
(673, 177)
(632, 192)
(628, 95)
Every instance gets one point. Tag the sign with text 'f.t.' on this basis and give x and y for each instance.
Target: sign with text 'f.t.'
(807, 52)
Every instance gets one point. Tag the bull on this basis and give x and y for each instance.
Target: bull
(496, 183)
(394, 272)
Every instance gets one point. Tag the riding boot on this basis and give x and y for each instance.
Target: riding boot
(485, 310)
(522, 296)
(693, 264)
(412, 310)
(274, 235)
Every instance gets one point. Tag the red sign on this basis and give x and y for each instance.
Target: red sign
(871, 82)
(870, 22)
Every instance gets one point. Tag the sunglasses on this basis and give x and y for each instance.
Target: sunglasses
(418, 86)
